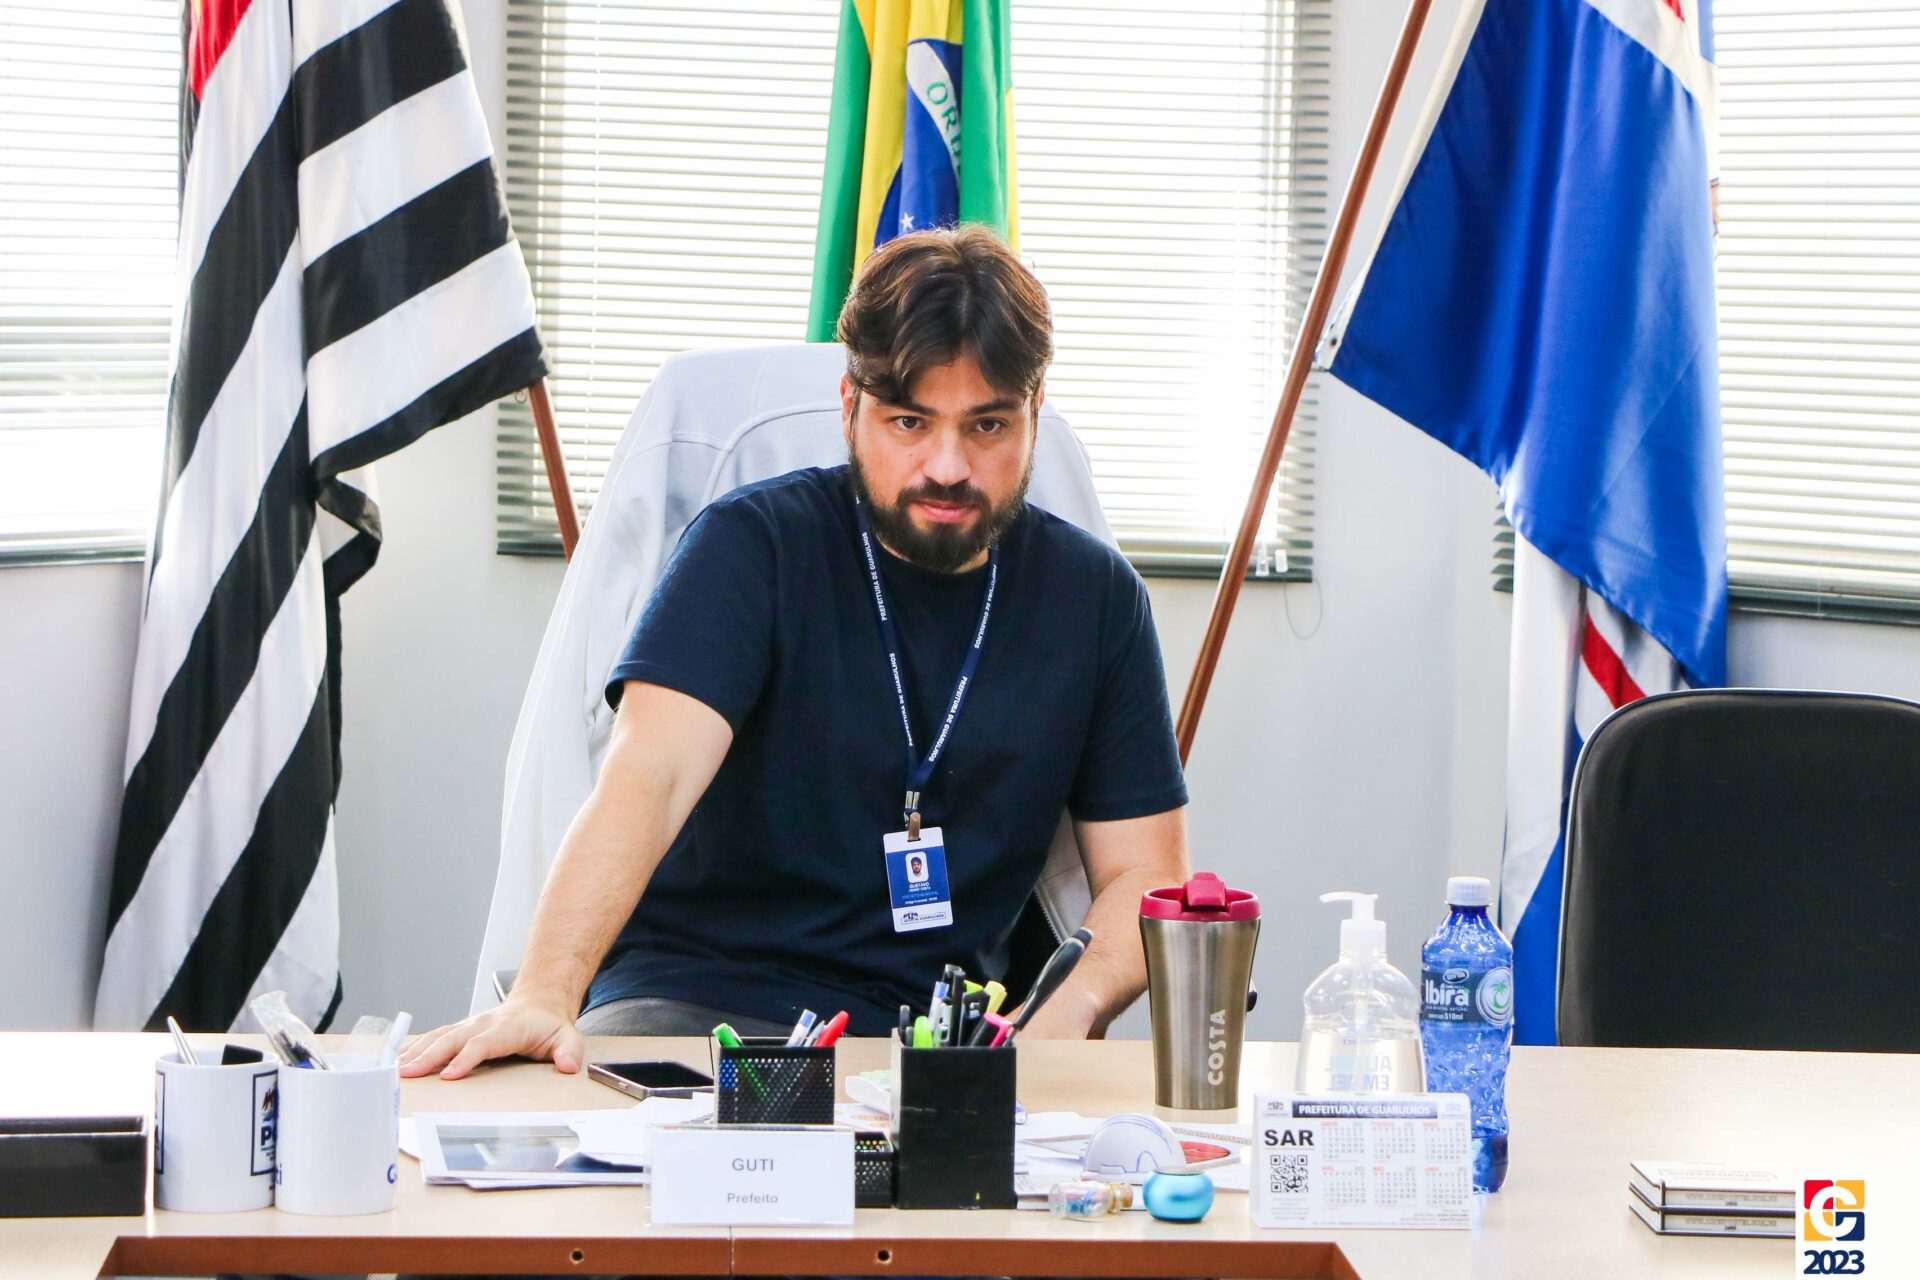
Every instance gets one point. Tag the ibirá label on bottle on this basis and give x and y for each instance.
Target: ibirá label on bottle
(1459, 995)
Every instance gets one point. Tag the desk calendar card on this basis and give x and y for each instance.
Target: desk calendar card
(1354, 1160)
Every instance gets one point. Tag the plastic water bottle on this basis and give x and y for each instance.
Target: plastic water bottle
(1466, 1019)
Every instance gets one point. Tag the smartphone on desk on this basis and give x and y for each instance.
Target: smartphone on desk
(657, 1078)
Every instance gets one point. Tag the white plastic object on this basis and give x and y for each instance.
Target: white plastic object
(1360, 934)
(1469, 891)
(1132, 1145)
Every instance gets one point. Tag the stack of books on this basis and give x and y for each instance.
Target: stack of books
(1678, 1199)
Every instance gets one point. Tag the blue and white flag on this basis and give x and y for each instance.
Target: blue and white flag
(1541, 302)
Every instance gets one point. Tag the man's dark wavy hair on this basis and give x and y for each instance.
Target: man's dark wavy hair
(925, 299)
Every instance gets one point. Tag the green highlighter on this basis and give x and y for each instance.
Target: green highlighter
(730, 1039)
(923, 1032)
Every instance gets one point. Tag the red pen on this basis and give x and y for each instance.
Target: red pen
(831, 1031)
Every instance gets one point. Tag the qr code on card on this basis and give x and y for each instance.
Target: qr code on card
(1287, 1173)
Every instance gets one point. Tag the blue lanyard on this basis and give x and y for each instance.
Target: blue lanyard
(920, 772)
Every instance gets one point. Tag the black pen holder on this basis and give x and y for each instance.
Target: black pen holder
(953, 1128)
(93, 1167)
(872, 1170)
(765, 1081)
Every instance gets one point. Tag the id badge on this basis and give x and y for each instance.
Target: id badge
(917, 881)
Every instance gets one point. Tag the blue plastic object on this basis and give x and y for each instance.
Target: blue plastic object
(1179, 1197)
(1466, 1019)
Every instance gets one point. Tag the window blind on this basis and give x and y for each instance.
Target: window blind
(664, 164)
(1819, 277)
(1818, 267)
(89, 189)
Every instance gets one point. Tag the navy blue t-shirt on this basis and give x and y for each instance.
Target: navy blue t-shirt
(773, 897)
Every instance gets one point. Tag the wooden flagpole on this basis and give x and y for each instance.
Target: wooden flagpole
(558, 482)
(1234, 573)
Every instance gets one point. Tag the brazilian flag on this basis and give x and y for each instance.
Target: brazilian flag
(921, 134)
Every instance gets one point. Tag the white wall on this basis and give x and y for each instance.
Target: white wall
(1354, 737)
(66, 669)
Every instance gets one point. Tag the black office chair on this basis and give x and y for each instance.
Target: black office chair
(1743, 871)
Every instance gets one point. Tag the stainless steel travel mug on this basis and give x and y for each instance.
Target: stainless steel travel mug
(1199, 938)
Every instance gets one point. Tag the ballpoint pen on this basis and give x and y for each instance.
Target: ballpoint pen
(972, 1009)
(802, 1028)
(180, 1045)
(906, 1024)
(946, 1031)
(396, 1036)
(937, 1009)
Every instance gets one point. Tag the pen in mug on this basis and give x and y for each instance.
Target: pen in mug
(390, 1053)
(180, 1045)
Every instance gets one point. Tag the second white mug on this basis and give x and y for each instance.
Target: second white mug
(339, 1144)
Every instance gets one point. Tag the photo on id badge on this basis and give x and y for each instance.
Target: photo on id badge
(917, 881)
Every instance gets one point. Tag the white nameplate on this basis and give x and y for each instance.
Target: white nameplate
(750, 1176)
(1362, 1160)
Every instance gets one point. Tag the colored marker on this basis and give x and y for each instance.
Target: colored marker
(730, 1039)
(993, 1031)
(831, 1032)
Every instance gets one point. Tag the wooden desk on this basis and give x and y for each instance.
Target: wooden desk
(1579, 1115)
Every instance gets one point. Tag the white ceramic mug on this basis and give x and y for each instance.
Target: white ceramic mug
(339, 1137)
(214, 1135)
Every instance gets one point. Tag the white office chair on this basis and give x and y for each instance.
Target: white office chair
(711, 422)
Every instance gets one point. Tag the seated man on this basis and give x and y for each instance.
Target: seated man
(852, 712)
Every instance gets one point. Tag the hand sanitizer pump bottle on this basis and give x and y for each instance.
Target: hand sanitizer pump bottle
(1362, 1029)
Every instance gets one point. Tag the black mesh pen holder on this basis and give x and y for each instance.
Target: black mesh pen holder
(872, 1170)
(765, 1081)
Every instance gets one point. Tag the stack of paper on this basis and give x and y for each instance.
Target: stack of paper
(506, 1151)
(499, 1151)
(1676, 1198)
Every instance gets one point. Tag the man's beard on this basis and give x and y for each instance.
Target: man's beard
(944, 548)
